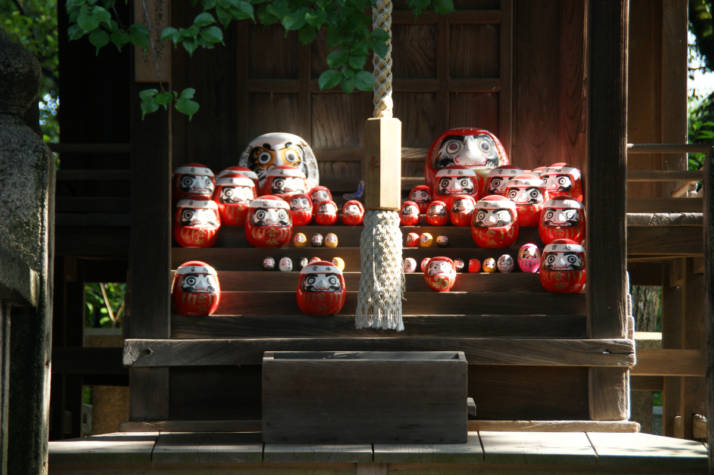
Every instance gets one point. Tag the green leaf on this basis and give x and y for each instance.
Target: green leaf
(212, 35)
(417, 6)
(187, 93)
(119, 38)
(307, 35)
(170, 33)
(164, 98)
(329, 79)
(443, 6)
(380, 48)
(139, 35)
(190, 46)
(357, 62)
(224, 16)
(147, 93)
(316, 19)
(337, 58)
(102, 15)
(209, 4)
(295, 20)
(204, 19)
(348, 85)
(187, 107)
(74, 32)
(243, 11)
(265, 17)
(86, 20)
(99, 39)
(148, 105)
(364, 81)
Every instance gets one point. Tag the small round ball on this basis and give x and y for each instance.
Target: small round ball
(505, 263)
(459, 265)
(339, 263)
(331, 240)
(269, 263)
(474, 265)
(317, 240)
(299, 240)
(442, 240)
(285, 264)
(489, 265)
(426, 240)
(424, 263)
(302, 262)
(412, 240)
(314, 259)
(410, 264)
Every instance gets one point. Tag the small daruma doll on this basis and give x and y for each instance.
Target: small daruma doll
(321, 289)
(268, 223)
(232, 195)
(562, 218)
(563, 267)
(455, 181)
(195, 289)
(498, 178)
(440, 274)
(562, 180)
(300, 209)
(238, 171)
(193, 181)
(529, 258)
(437, 213)
(495, 222)
(528, 193)
(325, 213)
(318, 194)
(421, 195)
(352, 213)
(409, 214)
(196, 223)
(284, 181)
(461, 207)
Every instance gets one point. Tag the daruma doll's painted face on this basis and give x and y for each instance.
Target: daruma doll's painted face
(498, 178)
(232, 195)
(562, 181)
(563, 267)
(409, 214)
(440, 274)
(196, 223)
(300, 209)
(352, 213)
(495, 222)
(196, 290)
(321, 289)
(421, 195)
(193, 181)
(268, 223)
(455, 181)
(562, 218)
(528, 193)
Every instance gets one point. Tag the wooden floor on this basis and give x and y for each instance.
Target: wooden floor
(485, 452)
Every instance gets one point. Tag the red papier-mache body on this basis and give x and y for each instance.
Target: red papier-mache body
(239, 171)
(300, 208)
(321, 289)
(563, 267)
(421, 195)
(498, 178)
(196, 223)
(461, 207)
(232, 195)
(318, 194)
(352, 213)
(453, 181)
(284, 181)
(528, 193)
(561, 180)
(193, 181)
(495, 222)
(195, 289)
(325, 212)
(467, 147)
(409, 214)
(562, 218)
(440, 274)
(268, 223)
(437, 214)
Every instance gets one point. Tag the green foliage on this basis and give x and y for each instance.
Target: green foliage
(346, 25)
(701, 113)
(104, 304)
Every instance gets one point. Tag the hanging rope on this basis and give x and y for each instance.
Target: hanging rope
(381, 288)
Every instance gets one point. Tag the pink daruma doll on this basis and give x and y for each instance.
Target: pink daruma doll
(193, 181)
(195, 289)
(563, 267)
(495, 222)
(561, 180)
(232, 195)
(196, 223)
(409, 214)
(440, 274)
(461, 207)
(562, 218)
(268, 223)
(529, 258)
(321, 289)
(352, 213)
(421, 195)
(528, 194)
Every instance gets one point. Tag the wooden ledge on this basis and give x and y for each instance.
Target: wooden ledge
(665, 219)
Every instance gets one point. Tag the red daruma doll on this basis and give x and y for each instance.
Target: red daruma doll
(232, 195)
(421, 195)
(236, 171)
(196, 223)
(562, 180)
(283, 181)
(440, 274)
(300, 209)
(325, 213)
(195, 289)
(528, 194)
(437, 213)
(461, 207)
(563, 267)
(268, 223)
(318, 194)
(562, 218)
(409, 214)
(193, 181)
(455, 181)
(498, 178)
(352, 213)
(321, 289)
(495, 222)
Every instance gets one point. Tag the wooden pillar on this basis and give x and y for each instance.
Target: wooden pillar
(607, 241)
(382, 168)
(4, 382)
(709, 296)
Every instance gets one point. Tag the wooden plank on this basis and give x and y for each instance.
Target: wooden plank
(92, 242)
(663, 175)
(664, 205)
(149, 394)
(708, 238)
(107, 449)
(146, 353)
(646, 383)
(505, 97)
(458, 17)
(5, 383)
(664, 219)
(317, 453)
(470, 452)
(607, 127)
(646, 148)
(609, 393)
(382, 164)
(647, 451)
(646, 273)
(537, 448)
(524, 326)
(553, 426)
(197, 449)
(680, 241)
(192, 426)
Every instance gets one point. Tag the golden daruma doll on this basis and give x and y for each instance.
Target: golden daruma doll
(195, 289)
(528, 193)
(321, 289)
(233, 195)
(440, 274)
(196, 223)
(563, 267)
(562, 218)
(193, 181)
(495, 222)
(268, 223)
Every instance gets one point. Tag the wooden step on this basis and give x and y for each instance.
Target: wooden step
(664, 205)
(620, 353)
(680, 241)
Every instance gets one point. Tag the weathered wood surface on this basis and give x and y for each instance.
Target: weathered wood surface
(216, 448)
(664, 205)
(609, 394)
(664, 219)
(670, 362)
(382, 164)
(318, 453)
(681, 241)
(554, 426)
(383, 397)
(708, 238)
(572, 448)
(482, 351)
(467, 452)
(107, 449)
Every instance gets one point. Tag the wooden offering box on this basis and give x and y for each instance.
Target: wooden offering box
(343, 397)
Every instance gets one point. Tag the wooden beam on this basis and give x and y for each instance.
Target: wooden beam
(670, 362)
(382, 165)
(664, 205)
(609, 393)
(664, 175)
(683, 241)
(708, 236)
(646, 383)
(554, 426)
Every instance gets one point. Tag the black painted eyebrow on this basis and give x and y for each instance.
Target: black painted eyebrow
(449, 137)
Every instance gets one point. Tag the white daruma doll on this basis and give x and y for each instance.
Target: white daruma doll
(196, 223)
(440, 274)
(461, 207)
(498, 178)
(300, 208)
(352, 213)
(495, 222)
(528, 193)
(268, 223)
(325, 212)
(561, 180)
(193, 181)
(437, 213)
(563, 267)
(232, 195)
(195, 289)
(421, 195)
(562, 218)
(284, 181)
(409, 214)
(455, 181)
(321, 289)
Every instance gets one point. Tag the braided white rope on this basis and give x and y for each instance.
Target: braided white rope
(381, 285)
(382, 99)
